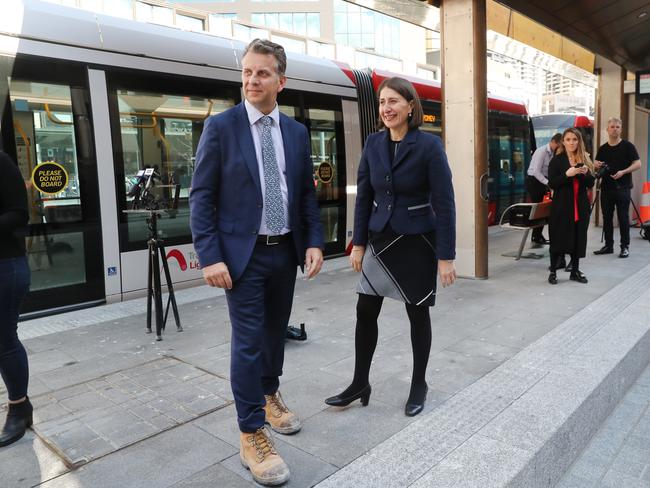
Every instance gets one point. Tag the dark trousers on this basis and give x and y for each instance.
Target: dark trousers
(536, 190)
(259, 305)
(619, 200)
(14, 285)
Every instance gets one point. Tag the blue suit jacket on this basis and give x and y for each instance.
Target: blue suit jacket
(226, 197)
(414, 194)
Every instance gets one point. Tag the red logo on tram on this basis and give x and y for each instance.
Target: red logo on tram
(176, 254)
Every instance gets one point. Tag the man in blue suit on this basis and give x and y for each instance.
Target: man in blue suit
(254, 218)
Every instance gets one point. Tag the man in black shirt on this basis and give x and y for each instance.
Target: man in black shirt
(619, 158)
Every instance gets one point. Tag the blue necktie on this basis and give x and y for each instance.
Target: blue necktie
(275, 219)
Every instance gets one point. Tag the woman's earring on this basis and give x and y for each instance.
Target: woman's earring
(410, 115)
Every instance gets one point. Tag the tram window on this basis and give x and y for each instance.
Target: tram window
(328, 170)
(44, 128)
(162, 131)
(431, 120)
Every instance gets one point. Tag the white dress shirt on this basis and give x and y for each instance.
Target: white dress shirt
(254, 117)
(538, 167)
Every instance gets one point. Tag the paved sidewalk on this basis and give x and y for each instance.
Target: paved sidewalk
(116, 408)
(619, 454)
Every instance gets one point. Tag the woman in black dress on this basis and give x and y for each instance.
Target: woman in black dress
(404, 231)
(570, 174)
(14, 284)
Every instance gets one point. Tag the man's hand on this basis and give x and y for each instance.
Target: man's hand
(618, 175)
(447, 272)
(597, 164)
(313, 261)
(356, 257)
(217, 275)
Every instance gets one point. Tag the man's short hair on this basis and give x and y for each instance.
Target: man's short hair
(263, 46)
(557, 138)
(615, 120)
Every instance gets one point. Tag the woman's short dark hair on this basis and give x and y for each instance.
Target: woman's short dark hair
(406, 89)
(263, 46)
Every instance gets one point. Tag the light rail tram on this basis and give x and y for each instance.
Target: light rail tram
(105, 97)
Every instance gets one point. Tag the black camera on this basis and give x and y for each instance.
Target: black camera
(604, 171)
(149, 194)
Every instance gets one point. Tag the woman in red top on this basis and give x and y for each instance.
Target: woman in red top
(570, 174)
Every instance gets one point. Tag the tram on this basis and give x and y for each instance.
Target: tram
(545, 126)
(105, 97)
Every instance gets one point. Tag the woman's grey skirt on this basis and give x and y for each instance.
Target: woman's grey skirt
(400, 266)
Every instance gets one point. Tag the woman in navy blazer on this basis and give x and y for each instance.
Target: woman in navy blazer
(404, 230)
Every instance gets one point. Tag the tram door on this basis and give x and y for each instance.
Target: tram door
(509, 150)
(55, 154)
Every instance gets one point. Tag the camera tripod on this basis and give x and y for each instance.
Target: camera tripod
(639, 223)
(156, 254)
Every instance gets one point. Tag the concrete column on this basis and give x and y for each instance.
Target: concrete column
(464, 118)
(611, 100)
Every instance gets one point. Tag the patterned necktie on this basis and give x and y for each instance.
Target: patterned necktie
(275, 219)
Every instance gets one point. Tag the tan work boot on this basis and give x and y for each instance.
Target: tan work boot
(278, 415)
(257, 454)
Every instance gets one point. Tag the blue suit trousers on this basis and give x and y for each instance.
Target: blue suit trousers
(259, 305)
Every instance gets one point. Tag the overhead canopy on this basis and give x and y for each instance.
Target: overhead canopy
(616, 29)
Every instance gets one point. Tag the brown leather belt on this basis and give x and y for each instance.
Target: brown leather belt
(273, 240)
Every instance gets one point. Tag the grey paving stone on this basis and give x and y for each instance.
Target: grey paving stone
(478, 463)
(339, 435)
(29, 462)
(574, 481)
(160, 461)
(514, 333)
(484, 348)
(214, 476)
(614, 479)
(449, 371)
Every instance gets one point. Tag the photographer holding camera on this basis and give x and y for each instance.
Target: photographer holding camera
(615, 162)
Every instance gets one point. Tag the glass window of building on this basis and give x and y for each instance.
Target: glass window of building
(94, 5)
(286, 22)
(289, 44)
(366, 29)
(187, 22)
(321, 50)
(313, 24)
(161, 131)
(245, 33)
(146, 12)
(301, 23)
(221, 24)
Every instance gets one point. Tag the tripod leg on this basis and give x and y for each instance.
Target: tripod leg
(149, 285)
(157, 293)
(170, 289)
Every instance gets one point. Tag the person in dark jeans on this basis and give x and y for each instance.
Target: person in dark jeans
(619, 158)
(537, 180)
(14, 284)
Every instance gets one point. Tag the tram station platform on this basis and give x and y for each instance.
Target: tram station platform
(522, 374)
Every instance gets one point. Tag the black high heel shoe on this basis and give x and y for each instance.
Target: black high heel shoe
(344, 401)
(414, 407)
(19, 419)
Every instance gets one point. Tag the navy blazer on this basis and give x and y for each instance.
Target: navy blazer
(414, 194)
(226, 197)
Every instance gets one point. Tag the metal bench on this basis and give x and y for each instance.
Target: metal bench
(525, 216)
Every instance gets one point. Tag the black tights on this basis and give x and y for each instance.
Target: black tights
(365, 342)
